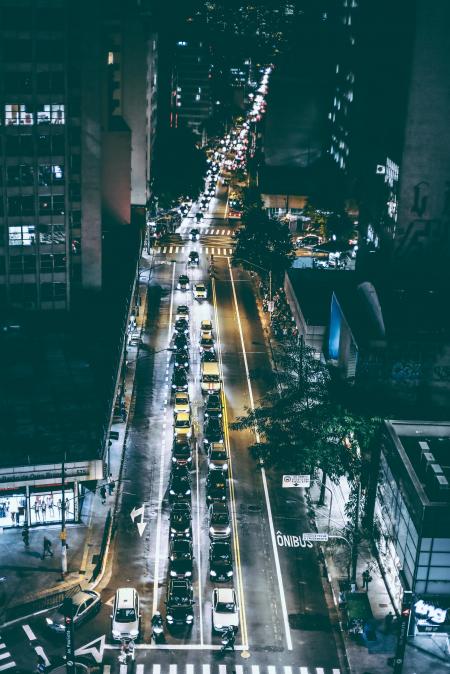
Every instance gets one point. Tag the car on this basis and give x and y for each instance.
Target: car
(220, 561)
(183, 282)
(182, 425)
(194, 234)
(182, 403)
(206, 343)
(126, 616)
(181, 452)
(206, 328)
(199, 291)
(213, 406)
(182, 312)
(181, 358)
(225, 610)
(181, 341)
(179, 603)
(216, 486)
(179, 484)
(182, 326)
(181, 520)
(134, 338)
(193, 258)
(219, 521)
(218, 457)
(86, 605)
(180, 380)
(180, 558)
(212, 431)
(208, 356)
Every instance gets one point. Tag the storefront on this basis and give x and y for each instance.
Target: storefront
(34, 494)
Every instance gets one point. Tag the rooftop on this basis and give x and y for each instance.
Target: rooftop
(313, 289)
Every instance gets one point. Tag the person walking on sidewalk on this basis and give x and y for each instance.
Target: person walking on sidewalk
(47, 548)
(103, 493)
(367, 578)
(388, 621)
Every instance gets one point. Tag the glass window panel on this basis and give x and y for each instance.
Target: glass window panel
(49, 51)
(439, 573)
(44, 144)
(440, 559)
(58, 144)
(16, 113)
(413, 532)
(60, 291)
(422, 572)
(12, 146)
(424, 558)
(46, 263)
(59, 262)
(18, 50)
(441, 545)
(26, 144)
(17, 82)
(29, 264)
(59, 234)
(425, 544)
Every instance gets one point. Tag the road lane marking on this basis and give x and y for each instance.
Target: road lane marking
(320, 670)
(170, 249)
(263, 474)
(5, 655)
(107, 669)
(172, 669)
(189, 669)
(336, 671)
(288, 670)
(156, 669)
(40, 651)
(255, 669)
(123, 669)
(303, 670)
(222, 669)
(206, 669)
(7, 666)
(199, 549)
(29, 632)
(239, 669)
(161, 472)
(237, 552)
(271, 669)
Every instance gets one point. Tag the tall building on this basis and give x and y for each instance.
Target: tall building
(73, 155)
(422, 235)
(191, 102)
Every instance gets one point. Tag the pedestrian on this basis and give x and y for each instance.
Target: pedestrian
(47, 548)
(36, 510)
(59, 506)
(367, 578)
(111, 484)
(17, 517)
(103, 493)
(388, 620)
(13, 516)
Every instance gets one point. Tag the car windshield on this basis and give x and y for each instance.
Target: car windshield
(220, 518)
(223, 607)
(183, 423)
(218, 454)
(201, 288)
(125, 615)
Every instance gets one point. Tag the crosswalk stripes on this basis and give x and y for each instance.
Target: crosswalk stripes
(208, 250)
(5, 655)
(212, 231)
(155, 668)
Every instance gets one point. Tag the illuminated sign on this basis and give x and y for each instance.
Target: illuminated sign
(429, 617)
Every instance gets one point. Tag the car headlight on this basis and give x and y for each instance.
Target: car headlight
(189, 618)
(134, 634)
(227, 531)
(225, 467)
(173, 573)
(174, 385)
(178, 286)
(169, 618)
(116, 634)
(212, 573)
(188, 574)
(171, 492)
(188, 491)
(49, 621)
(205, 441)
(229, 574)
(212, 530)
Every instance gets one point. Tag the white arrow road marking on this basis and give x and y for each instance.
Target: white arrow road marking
(110, 602)
(29, 632)
(136, 512)
(141, 527)
(97, 653)
(40, 651)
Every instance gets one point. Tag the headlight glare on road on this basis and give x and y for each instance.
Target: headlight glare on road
(49, 621)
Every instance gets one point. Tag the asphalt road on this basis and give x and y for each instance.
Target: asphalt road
(285, 626)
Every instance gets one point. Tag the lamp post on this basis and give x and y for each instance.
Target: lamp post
(63, 533)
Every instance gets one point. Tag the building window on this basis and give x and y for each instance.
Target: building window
(18, 83)
(19, 175)
(49, 51)
(53, 291)
(16, 113)
(51, 204)
(53, 263)
(110, 58)
(17, 50)
(50, 174)
(22, 264)
(52, 234)
(48, 82)
(51, 113)
(18, 205)
(22, 235)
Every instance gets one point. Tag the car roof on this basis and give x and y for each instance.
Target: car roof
(182, 394)
(225, 595)
(125, 596)
(182, 415)
(80, 597)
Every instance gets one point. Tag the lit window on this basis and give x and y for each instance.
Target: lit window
(18, 114)
(182, 43)
(110, 58)
(51, 114)
(22, 235)
(197, 97)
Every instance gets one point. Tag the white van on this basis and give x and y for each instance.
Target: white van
(210, 377)
(125, 618)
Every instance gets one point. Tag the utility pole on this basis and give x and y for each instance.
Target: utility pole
(405, 617)
(63, 520)
(356, 534)
(68, 611)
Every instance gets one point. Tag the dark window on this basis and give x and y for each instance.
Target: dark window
(22, 264)
(59, 262)
(44, 145)
(75, 218)
(19, 175)
(50, 18)
(50, 83)
(18, 83)
(12, 146)
(49, 51)
(51, 205)
(26, 145)
(75, 192)
(46, 263)
(50, 291)
(19, 51)
(51, 174)
(18, 205)
(16, 18)
(58, 144)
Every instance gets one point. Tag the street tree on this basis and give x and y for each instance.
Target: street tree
(264, 242)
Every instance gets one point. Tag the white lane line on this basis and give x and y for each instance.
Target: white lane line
(123, 669)
(206, 669)
(199, 548)
(223, 232)
(255, 669)
(5, 655)
(139, 669)
(29, 632)
(107, 669)
(320, 670)
(222, 669)
(172, 669)
(263, 474)
(170, 249)
(164, 250)
(228, 232)
(189, 669)
(206, 250)
(2, 646)
(40, 651)
(288, 670)
(230, 251)
(156, 669)
(335, 671)
(7, 666)
(176, 249)
(239, 669)
(303, 670)
(161, 474)
(271, 669)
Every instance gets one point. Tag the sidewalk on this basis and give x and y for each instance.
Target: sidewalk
(423, 654)
(28, 582)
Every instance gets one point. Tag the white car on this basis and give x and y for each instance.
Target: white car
(182, 424)
(125, 617)
(206, 329)
(199, 291)
(182, 312)
(225, 610)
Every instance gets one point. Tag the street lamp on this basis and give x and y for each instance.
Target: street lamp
(267, 271)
